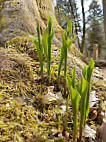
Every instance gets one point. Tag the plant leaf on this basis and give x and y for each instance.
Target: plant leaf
(38, 32)
(90, 69)
(40, 54)
(79, 88)
(34, 41)
(84, 90)
(69, 81)
(64, 42)
(69, 28)
(75, 101)
(45, 42)
(89, 74)
(69, 42)
(39, 49)
(84, 72)
(66, 35)
(49, 25)
(73, 73)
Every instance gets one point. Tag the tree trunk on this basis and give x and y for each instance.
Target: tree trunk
(104, 13)
(72, 15)
(20, 17)
(73, 18)
(83, 36)
(58, 14)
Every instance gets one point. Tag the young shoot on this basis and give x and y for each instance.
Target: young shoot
(74, 95)
(39, 48)
(47, 44)
(84, 90)
(63, 52)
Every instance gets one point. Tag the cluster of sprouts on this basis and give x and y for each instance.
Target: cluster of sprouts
(82, 91)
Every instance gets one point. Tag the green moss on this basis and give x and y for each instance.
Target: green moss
(18, 92)
(17, 86)
(16, 70)
(18, 121)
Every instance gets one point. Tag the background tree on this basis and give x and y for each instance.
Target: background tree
(95, 27)
(76, 19)
(65, 10)
(62, 11)
(104, 13)
(84, 28)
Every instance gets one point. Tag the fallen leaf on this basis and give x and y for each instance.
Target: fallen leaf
(88, 132)
(93, 99)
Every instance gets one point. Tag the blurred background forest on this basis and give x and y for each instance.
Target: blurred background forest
(88, 22)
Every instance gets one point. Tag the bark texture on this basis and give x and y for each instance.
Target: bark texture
(104, 13)
(83, 36)
(20, 17)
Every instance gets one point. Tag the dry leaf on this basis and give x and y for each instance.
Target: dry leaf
(88, 132)
(93, 99)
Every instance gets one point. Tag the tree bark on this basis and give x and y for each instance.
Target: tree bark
(73, 17)
(83, 36)
(21, 18)
(104, 13)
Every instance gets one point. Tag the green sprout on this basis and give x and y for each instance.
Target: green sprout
(47, 44)
(64, 51)
(39, 48)
(84, 90)
(74, 95)
(83, 87)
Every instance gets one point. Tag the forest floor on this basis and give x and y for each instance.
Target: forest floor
(31, 111)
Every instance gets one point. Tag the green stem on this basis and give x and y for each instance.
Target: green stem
(75, 131)
(48, 72)
(88, 98)
(65, 72)
(49, 58)
(64, 86)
